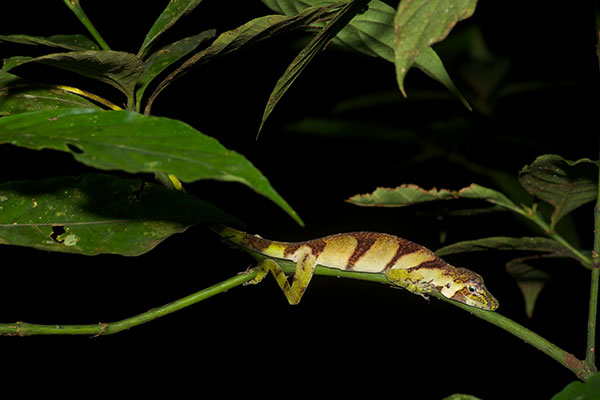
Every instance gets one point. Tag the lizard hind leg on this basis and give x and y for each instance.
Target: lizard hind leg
(302, 276)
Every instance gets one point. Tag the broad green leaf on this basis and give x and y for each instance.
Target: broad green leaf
(135, 143)
(68, 42)
(578, 390)
(400, 196)
(97, 213)
(171, 14)
(564, 184)
(243, 36)
(166, 56)
(116, 68)
(530, 280)
(372, 33)
(536, 243)
(318, 43)
(418, 24)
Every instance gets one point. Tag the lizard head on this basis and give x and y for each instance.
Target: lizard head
(469, 289)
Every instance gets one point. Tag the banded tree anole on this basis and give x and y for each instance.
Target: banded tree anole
(404, 264)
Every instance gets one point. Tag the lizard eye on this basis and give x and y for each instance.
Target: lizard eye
(472, 288)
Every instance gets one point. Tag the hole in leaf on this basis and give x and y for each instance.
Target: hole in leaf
(57, 230)
(74, 149)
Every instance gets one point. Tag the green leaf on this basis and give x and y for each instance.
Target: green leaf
(135, 143)
(409, 194)
(116, 68)
(461, 397)
(166, 56)
(580, 391)
(530, 280)
(318, 43)
(564, 184)
(420, 23)
(372, 33)
(475, 191)
(26, 97)
(97, 213)
(68, 42)
(171, 14)
(535, 243)
(243, 36)
(400, 196)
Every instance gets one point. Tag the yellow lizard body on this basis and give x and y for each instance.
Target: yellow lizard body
(404, 263)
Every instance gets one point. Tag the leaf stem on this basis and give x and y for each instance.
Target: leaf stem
(590, 357)
(539, 221)
(83, 18)
(26, 329)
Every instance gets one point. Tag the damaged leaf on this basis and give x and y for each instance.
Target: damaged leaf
(564, 184)
(409, 194)
(97, 213)
(400, 196)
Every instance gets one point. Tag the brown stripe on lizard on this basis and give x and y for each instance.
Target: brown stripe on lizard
(364, 241)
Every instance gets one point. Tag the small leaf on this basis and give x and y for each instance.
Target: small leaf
(564, 184)
(166, 56)
(400, 196)
(171, 14)
(318, 43)
(418, 24)
(530, 280)
(578, 390)
(535, 243)
(116, 68)
(475, 191)
(97, 213)
(67, 42)
(135, 143)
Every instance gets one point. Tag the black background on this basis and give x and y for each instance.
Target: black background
(345, 337)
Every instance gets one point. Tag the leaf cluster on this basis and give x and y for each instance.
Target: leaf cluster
(564, 185)
(104, 135)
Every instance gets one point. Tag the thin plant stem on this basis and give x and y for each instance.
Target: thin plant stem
(581, 369)
(27, 329)
(590, 357)
(83, 18)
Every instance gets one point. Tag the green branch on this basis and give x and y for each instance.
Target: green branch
(590, 357)
(583, 370)
(26, 329)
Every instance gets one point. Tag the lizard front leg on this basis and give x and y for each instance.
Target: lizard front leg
(305, 268)
(406, 280)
